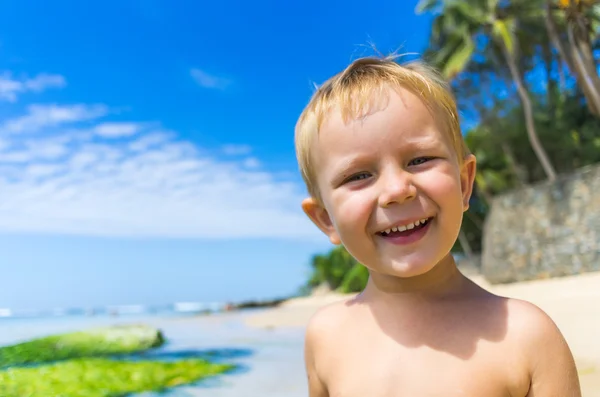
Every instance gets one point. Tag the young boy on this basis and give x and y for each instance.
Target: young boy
(389, 176)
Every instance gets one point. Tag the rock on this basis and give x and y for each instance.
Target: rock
(545, 230)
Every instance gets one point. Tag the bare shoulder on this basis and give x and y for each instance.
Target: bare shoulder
(545, 354)
(320, 342)
(328, 320)
(530, 326)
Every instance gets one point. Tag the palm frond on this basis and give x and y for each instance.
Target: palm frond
(503, 31)
(459, 58)
(425, 6)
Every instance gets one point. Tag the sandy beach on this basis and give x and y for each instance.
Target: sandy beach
(267, 344)
(573, 303)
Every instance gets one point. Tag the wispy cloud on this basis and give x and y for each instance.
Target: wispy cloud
(63, 171)
(252, 162)
(10, 87)
(40, 116)
(208, 80)
(235, 150)
(117, 130)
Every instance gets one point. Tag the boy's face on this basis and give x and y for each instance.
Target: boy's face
(388, 170)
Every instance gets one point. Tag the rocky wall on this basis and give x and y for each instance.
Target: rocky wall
(545, 230)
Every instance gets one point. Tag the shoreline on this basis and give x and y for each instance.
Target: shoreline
(268, 342)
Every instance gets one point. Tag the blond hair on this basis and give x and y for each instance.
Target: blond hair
(352, 91)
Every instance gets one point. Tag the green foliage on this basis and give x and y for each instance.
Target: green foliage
(355, 280)
(94, 377)
(339, 270)
(569, 134)
(93, 343)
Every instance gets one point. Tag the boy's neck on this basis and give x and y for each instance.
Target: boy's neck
(443, 281)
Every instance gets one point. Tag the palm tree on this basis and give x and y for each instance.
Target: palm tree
(576, 18)
(463, 27)
(581, 24)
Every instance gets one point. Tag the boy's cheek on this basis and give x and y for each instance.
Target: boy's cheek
(443, 188)
(352, 209)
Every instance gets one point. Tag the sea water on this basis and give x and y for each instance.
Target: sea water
(270, 361)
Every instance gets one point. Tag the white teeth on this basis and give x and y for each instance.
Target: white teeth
(406, 227)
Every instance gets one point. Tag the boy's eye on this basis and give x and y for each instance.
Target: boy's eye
(357, 177)
(419, 160)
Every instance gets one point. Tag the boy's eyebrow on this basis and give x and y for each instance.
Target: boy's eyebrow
(417, 146)
(423, 142)
(343, 166)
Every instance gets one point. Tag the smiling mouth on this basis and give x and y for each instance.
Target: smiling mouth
(405, 229)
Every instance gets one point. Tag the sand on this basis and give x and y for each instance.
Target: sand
(572, 302)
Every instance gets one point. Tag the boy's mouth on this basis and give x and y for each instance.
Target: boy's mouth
(407, 229)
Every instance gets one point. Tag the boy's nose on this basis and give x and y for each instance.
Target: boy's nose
(396, 188)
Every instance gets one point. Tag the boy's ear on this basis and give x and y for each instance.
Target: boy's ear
(467, 178)
(320, 217)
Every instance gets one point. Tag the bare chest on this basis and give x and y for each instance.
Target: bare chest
(386, 371)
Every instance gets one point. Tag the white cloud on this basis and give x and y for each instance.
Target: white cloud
(81, 160)
(40, 116)
(234, 150)
(149, 140)
(11, 87)
(208, 80)
(40, 170)
(117, 130)
(60, 178)
(43, 81)
(35, 149)
(251, 162)
(15, 157)
(46, 149)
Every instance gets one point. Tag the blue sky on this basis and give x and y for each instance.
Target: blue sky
(146, 148)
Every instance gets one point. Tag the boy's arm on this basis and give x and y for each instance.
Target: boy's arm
(552, 367)
(316, 387)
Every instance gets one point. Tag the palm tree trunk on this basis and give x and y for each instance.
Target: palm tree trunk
(574, 62)
(528, 111)
(588, 74)
(582, 52)
(552, 30)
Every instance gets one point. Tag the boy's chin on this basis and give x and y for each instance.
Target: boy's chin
(409, 269)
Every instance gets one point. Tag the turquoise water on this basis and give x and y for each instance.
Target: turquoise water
(270, 361)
